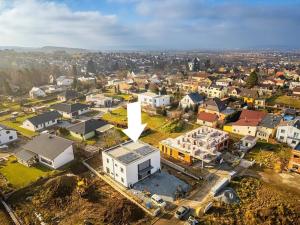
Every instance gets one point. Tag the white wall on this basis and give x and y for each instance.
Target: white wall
(130, 172)
(29, 126)
(62, 159)
(5, 138)
(244, 130)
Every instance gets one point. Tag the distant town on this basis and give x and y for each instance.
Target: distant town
(221, 143)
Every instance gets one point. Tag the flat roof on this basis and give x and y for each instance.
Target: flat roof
(130, 151)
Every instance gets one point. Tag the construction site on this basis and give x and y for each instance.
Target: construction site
(74, 199)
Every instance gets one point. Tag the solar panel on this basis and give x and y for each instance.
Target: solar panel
(145, 150)
(129, 157)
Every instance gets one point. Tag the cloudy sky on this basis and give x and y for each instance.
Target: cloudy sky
(150, 24)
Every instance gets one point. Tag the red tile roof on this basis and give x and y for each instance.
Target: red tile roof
(209, 117)
(250, 118)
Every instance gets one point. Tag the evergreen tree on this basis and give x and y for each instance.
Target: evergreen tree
(252, 80)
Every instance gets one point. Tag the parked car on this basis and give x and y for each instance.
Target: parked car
(156, 199)
(192, 221)
(181, 212)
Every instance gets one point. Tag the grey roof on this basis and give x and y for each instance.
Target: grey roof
(47, 145)
(215, 104)
(45, 117)
(69, 107)
(196, 97)
(129, 157)
(270, 121)
(25, 155)
(86, 127)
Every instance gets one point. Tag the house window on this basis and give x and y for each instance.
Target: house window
(296, 135)
(122, 170)
(122, 179)
(107, 170)
(282, 131)
(107, 160)
(46, 161)
(10, 137)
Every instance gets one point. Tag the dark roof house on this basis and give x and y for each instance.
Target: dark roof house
(43, 118)
(69, 107)
(86, 127)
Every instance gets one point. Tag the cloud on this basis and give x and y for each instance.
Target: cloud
(36, 22)
(153, 24)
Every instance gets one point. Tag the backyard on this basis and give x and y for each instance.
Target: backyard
(19, 176)
(159, 126)
(271, 156)
(16, 123)
(285, 100)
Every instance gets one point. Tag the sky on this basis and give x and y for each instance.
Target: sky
(151, 24)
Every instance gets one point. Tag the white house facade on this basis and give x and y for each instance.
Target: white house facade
(131, 162)
(153, 100)
(7, 135)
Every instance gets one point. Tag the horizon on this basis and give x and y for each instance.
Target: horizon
(143, 25)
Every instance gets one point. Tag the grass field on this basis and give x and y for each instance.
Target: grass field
(19, 175)
(17, 123)
(160, 127)
(285, 100)
(270, 155)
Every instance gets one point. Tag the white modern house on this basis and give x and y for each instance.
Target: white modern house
(131, 162)
(100, 100)
(49, 150)
(7, 135)
(41, 121)
(153, 100)
(64, 81)
(36, 92)
(71, 110)
(289, 132)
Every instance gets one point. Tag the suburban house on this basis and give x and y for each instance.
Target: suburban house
(131, 162)
(289, 132)
(234, 92)
(64, 81)
(247, 123)
(7, 135)
(213, 91)
(203, 143)
(36, 92)
(216, 106)
(191, 100)
(68, 95)
(207, 119)
(47, 149)
(296, 91)
(224, 82)
(153, 100)
(294, 163)
(249, 95)
(99, 100)
(71, 110)
(267, 127)
(247, 143)
(86, 129)
(41, 121)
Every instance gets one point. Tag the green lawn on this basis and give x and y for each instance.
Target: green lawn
(285, 100)
(15, 124)
(160, 127)
(20, 176)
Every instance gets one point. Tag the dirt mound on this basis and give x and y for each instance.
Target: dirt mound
(60, 187)
(260, 203)
(122, 212)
